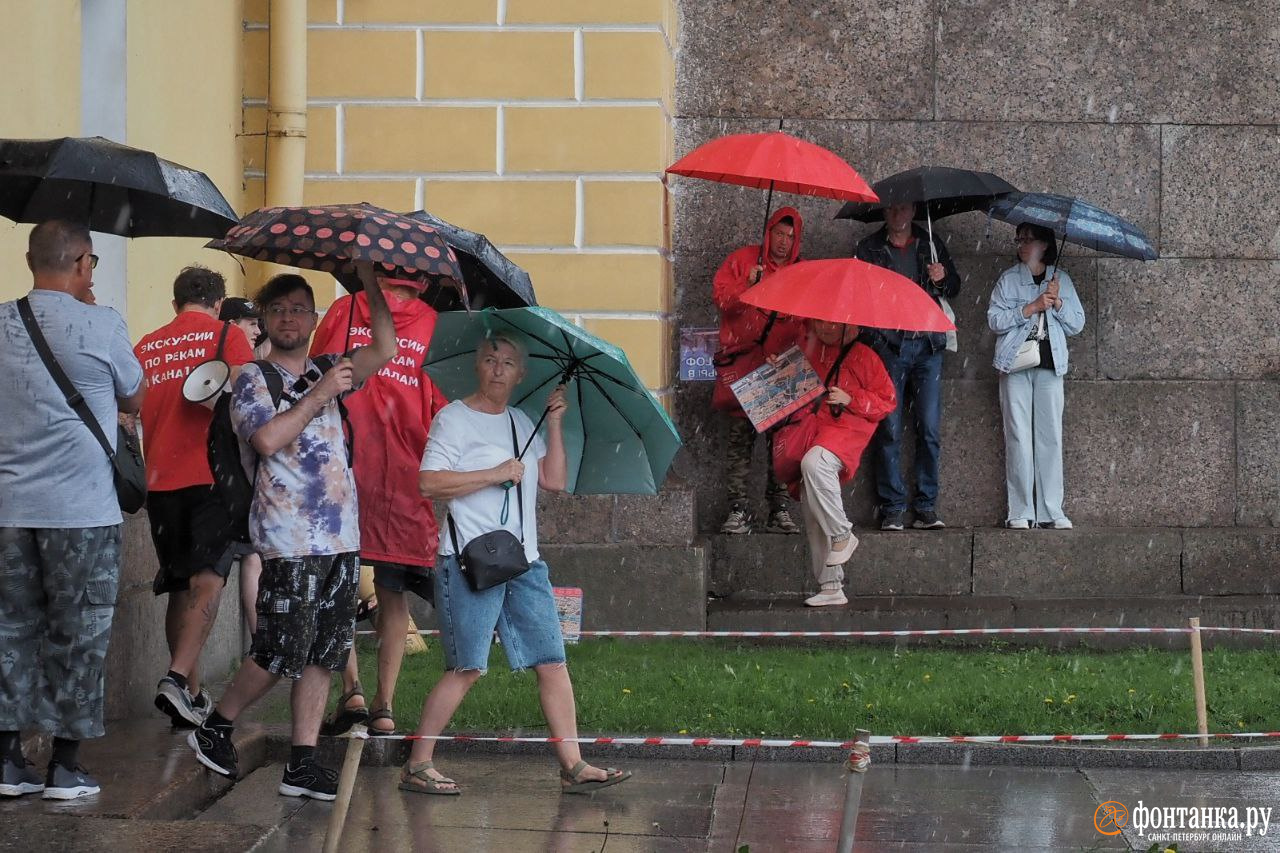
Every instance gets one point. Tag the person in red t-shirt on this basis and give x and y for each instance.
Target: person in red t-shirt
(190, 526)
(398, 531)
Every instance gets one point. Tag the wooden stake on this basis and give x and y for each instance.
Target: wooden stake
(1197, 680)
(346, 785)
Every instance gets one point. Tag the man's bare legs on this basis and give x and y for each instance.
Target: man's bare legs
(393, 627)
(189, 618)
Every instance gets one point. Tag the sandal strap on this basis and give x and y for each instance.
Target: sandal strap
(419, 771)
(356, 690)
(381, 714)
(571, 775)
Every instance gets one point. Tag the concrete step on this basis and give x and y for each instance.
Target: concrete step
(146, 771)
(875, 612)
(1101, 562)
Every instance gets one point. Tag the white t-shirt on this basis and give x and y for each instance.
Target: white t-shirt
(462, 439)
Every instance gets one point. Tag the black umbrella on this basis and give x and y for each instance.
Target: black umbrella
(112, 188)
(492, 279)
(937, 191)
(1078, 222)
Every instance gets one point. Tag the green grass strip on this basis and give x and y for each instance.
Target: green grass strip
(737, 689)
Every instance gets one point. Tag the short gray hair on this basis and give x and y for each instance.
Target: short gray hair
(512, 339)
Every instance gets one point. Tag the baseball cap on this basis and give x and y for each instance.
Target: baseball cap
(235, 308)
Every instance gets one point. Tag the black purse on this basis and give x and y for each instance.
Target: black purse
(128, 471)
(497, 556)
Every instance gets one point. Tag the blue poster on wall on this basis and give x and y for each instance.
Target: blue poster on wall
(698, 344)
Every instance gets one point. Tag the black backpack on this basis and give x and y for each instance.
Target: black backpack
(233, 484)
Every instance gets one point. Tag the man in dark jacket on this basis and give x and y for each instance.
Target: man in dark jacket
(914, 362)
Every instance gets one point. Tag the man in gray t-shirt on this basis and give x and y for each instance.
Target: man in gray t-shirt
(60, 522)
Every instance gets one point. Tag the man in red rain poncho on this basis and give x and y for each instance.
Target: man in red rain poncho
(818, 449)
(747, 336)
(398, 531)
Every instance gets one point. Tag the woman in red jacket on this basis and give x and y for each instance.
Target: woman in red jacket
(390, 419)
(747, 336)
(819, 448)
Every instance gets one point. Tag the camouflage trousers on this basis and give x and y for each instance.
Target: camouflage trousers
(741, 444)
(57, 599)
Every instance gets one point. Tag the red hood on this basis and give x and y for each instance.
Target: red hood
(778, 215)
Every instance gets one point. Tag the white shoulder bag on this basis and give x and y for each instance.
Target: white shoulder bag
(1029, 353)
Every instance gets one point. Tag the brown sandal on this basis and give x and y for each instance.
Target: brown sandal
(414, 778)
(343, 718)
(381, 714)
(569, 783)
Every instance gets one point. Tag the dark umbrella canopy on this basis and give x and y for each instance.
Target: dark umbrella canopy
(112, 188)
(332, 238)
(945, 190)
(1076, 222)
(492, 279)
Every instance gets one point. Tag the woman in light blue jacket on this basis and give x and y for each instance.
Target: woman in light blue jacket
(1028, 304)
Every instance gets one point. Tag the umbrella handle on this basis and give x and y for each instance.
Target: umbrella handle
(836, 410)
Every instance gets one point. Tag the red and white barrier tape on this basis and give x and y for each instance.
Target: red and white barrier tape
(878, 740)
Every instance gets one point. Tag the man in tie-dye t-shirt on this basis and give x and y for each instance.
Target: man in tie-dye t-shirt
(303, 522)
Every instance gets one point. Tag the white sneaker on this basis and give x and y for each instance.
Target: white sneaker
(826, 599)
(1017, 524)
(1063, 523)
(841, 551)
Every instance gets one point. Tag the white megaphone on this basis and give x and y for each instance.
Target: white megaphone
(206, 380)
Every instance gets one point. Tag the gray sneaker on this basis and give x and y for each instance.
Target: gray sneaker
(780, 521)
(736, 522)
(68, 783)
(17, 778)
(175, 701)
(892, 520)
(927, 519)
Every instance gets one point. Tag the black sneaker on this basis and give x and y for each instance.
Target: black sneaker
(309, 779)
(174, 700)
(68, 783)
(17, 778)
(927, 519)
(892, 521)
(214, 748)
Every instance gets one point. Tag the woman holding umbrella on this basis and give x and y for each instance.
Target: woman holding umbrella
(818, 450)
(473, 463)
(1034, 313)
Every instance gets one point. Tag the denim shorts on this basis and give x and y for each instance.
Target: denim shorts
(522, 610)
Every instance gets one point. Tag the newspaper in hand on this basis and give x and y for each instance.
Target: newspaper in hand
(569, 609)
(771, 392)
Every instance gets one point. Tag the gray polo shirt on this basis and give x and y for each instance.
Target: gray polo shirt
(53, 472)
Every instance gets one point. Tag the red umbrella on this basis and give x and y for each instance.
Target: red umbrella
(775, 161)
(846, 290)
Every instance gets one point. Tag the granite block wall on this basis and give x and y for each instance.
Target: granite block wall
(1165, 113)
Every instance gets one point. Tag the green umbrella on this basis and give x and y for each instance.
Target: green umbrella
(617, 438)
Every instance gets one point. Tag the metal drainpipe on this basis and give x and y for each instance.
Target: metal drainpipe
(286, 102)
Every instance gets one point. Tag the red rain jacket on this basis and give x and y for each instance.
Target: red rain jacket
(862, 376)
(741, 325)
(390, 418)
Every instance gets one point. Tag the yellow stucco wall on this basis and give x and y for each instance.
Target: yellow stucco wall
(544, 124)
(184, 102)
(184, 78)
(40, 98)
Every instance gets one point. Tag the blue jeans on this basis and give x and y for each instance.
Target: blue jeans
(522, 610)
(916, 372)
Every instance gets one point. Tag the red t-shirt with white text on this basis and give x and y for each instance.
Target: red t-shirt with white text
(175, 431)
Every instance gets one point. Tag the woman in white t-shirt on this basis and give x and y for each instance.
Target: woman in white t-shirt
(471, 453)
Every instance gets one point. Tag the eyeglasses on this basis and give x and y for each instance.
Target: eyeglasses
(1022, 241)
(291, 310)
(93, 260)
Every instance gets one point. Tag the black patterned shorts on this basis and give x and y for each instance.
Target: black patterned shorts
(306, 613)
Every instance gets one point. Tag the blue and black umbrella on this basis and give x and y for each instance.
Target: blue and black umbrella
(1075, 221)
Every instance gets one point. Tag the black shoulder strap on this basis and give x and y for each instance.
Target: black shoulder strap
(73, 397)
(835, 370)
(275, 382)
(768, 327)
(222, 340)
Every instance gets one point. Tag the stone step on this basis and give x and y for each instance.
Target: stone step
(1081, 563)
(904, 612)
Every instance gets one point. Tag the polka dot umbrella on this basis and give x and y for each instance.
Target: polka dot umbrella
(331, 238)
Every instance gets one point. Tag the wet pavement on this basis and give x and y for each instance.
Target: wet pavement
(156, 799)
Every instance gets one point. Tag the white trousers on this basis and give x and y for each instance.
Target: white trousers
(823, 510)
(1031, 402)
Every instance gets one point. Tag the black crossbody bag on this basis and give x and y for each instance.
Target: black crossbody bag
(126, 460)
(497, 556)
